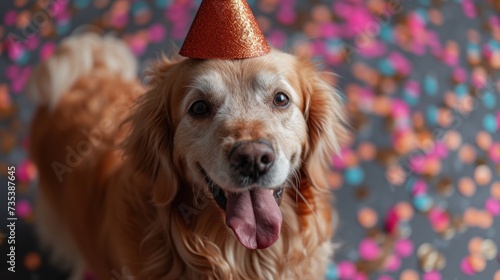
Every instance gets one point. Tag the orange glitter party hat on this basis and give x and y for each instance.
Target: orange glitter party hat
(224, 29)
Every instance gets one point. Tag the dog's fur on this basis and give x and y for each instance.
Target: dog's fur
(120, 188)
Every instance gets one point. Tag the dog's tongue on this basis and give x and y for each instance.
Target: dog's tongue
(255, 218)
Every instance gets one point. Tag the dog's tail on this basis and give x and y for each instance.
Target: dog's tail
(77, 57)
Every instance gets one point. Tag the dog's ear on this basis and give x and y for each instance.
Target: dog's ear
(326, 123)
(149, 145)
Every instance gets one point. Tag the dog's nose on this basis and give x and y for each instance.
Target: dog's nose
(252, 158)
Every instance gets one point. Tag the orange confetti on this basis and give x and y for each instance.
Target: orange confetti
(321, 13)
(477, 263)
(32, 261)
(453, 139)
(395, 175)
(467, 153)
(435, 17)
(367, 217)
(482, 175)
(483, 140)
(404, 211)
(367, 151)
(495, 190)
(475, 245)
(409, 274)
(466, 187)
(497, 275)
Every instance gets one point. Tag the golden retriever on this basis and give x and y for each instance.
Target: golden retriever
(217, 170)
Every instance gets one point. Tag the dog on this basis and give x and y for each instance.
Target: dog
(217, 169)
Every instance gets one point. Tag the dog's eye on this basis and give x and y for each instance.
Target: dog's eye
(281, 100)
(199, 108)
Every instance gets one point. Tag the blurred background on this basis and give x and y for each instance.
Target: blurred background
(417, 188)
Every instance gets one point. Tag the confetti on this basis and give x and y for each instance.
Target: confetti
(369, 249)
(367, 217)
(466, 187)
(32, 261)
(422, 101)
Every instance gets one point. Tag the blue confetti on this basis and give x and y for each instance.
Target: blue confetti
(422, 202)
(461, 90)
(386, 68)
(332, 272)
(410, 98)
(354, 176)
(23, 58)
(489, 99)
(386, 33)
(81, 4)
(490, 123)
(430, 85)
(63, 27)
(164, 3)
(432, 115)
(138, 7)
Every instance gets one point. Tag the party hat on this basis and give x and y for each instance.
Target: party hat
(224, 29)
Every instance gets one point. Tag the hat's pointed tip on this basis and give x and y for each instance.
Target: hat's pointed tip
(224, 30)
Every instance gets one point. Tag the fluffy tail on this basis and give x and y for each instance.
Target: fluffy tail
(77, 57)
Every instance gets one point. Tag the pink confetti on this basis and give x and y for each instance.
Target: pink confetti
(439, 150)
(26, 171)
(392, 221)
(433, 275)
(493, 206)
(338, 161)
(10, 18)
(420, 187)
(469, 8)
(372, 49)
(487, 51)
(479, 81)
(400, 109)
(15, 51)
(404, 248)
(450, 58)
(466, 267)
(347, 270)
(329, 30)
(286, 15)
(277, 39)
(494, 21)
(119, 21)
(393, 263)
(157, 33)
(59, 9)
(360, 276)
(137, 45)
(417, 164)
(494, 152)
(47, 50)
(179, 31)
(369, 249)
(438, 218)
(23, 208)
(413, 88)
(32, 43)
(459, 75)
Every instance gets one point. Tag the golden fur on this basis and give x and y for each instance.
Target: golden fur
(119, 193)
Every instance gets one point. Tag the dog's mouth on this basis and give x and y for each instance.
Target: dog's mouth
(253, 215)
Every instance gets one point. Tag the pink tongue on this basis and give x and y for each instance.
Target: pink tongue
(255, 218)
